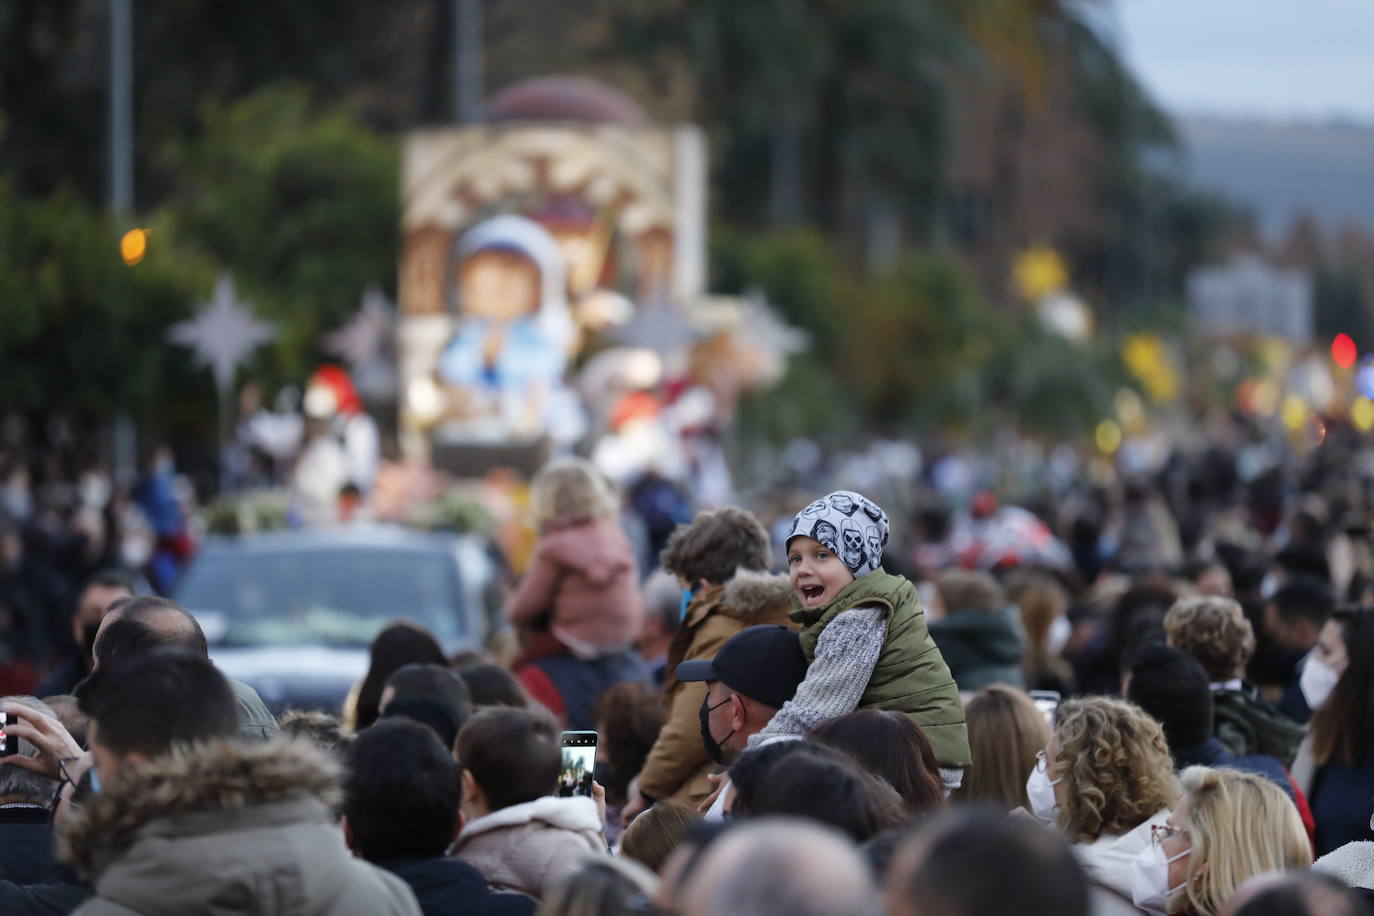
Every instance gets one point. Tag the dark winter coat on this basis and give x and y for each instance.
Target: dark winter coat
(1246, 723)
(1211, 753)
(28, 851)
(1340, 800)
(446, 886)
(982, 647)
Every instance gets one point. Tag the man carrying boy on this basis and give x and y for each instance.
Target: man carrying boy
(721, 560)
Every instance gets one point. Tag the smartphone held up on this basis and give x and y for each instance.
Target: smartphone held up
(579, 760)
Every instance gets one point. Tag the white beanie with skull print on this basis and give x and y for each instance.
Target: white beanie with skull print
(851, 525)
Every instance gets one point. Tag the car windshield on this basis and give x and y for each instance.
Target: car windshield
(336, 597)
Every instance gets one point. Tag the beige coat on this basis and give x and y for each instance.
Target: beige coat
(677, 765)
(532, 846)
(224, 829)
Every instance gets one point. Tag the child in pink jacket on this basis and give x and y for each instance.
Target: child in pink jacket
(581, 593)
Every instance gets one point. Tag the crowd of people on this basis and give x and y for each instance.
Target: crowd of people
(1164, 708)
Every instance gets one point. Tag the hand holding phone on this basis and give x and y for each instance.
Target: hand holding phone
(579, 761)
(44, 732)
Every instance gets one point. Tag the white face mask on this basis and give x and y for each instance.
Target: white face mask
(1150, 878)
(1317, 681)
(1040, 791)
(1058, 636)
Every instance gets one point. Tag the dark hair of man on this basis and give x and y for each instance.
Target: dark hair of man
(491, 685)
(1343, 729)
(149, 701)
(891, 745)
(401, 792)
(124, 638)
(1304, 596)
(1307, 561)
(1173, 688)
(433, 682)
(438, 717)
(512, 754)
(829, 788)
(983, 863)
(1306, 893)
(715, 544)
(172, 623)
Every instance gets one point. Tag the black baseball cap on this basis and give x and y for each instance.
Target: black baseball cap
(764, 663)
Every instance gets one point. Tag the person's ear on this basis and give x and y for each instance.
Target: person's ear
(472, 793)
(349, 841)
(739, 712)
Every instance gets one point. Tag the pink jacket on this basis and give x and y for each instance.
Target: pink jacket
(584, 577)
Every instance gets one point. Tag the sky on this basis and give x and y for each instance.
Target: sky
(1272, 59)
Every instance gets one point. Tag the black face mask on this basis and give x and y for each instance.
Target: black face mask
(713, 747)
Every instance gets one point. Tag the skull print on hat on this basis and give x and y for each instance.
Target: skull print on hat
(853, 526)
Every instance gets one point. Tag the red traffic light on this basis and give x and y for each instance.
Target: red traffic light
(1344, 351)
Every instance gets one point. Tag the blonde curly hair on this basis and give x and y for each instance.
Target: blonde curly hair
(570, 490)
(1115, 765)
(1214, 631)
(1240, 825)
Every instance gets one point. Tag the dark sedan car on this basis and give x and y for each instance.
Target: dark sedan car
(292, 613)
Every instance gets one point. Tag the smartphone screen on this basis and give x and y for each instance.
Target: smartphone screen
(579, 759)
(4, 738)
(1047, 701)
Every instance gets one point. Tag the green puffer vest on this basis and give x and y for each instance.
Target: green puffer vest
(911, 676)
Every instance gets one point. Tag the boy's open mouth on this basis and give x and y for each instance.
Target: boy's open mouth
(811, 592)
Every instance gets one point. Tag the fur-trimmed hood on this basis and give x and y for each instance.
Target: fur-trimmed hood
(532, 846)
(195, 780)
(577, 814)
(751, 593)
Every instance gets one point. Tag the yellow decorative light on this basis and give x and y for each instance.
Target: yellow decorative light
(1108, 437)
(1039, 271)
(133, 246)
(1148, 360)
(1293, 412)
(1362, 414)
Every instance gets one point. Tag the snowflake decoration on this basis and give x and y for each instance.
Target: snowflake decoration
(361, 340)
(223, 332)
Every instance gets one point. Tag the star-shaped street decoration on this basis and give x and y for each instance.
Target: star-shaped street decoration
(367, 332)
(223, 332)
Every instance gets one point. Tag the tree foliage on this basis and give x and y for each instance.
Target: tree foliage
(81, 333)
(301, 202)
(296, 201)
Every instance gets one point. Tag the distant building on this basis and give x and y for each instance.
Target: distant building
(1249, 296)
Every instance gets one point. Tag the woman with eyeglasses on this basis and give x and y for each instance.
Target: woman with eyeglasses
(1105, 779)
(1229, 826)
